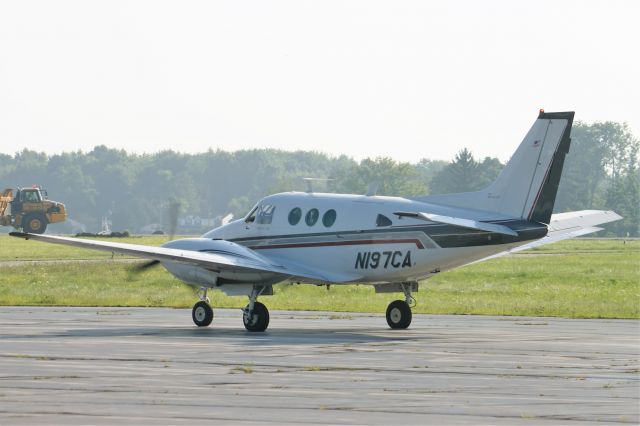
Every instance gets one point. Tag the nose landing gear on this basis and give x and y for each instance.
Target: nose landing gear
(255, 315)
(202, 314)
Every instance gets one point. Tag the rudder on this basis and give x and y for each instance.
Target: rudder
(542, 207)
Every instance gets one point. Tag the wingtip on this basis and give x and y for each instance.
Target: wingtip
(615, 215)
(19, 235)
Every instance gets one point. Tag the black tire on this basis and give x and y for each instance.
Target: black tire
(202, 314)
(34, 223)
(259, 319)
(399, 314)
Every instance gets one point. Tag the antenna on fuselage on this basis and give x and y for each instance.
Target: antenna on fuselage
(373, 189)
(310, 181)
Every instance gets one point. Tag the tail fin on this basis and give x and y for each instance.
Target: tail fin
(527, 186)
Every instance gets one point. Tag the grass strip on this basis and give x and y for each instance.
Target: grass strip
(574, 279)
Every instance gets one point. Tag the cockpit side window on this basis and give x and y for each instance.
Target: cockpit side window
(382, 220)
(264, 216)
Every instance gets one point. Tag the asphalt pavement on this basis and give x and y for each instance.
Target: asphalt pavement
(153, 366)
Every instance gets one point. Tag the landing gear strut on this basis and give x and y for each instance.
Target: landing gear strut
(202, 314)
(255, 316)
(399, 311)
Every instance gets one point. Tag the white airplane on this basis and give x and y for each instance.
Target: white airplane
(389, 242)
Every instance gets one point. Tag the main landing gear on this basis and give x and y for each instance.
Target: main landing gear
(255, 315)
(399, 311)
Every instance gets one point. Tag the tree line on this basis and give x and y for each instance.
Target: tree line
(135, 190)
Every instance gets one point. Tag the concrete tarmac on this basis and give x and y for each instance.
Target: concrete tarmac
(153, 366)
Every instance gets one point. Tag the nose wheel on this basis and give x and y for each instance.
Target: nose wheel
(202, 314)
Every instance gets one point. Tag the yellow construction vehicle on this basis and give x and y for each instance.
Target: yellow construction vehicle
(29, 209)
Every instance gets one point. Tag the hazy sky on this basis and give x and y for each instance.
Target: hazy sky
(362, 78)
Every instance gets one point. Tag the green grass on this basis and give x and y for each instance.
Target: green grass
(19, 249)
(577, 278)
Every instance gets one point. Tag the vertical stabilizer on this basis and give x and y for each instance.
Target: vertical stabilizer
(527, 186)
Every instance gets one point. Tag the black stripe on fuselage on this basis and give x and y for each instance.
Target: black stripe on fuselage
(335, 243)
(445, 236)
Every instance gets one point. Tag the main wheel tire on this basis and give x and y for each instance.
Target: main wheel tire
(259, 318)
(399, 314)
(34, 223)
(202, 314)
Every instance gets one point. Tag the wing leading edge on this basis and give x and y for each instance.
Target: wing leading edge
(218, 262)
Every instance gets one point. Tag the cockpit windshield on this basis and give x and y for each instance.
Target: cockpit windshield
(251, 217)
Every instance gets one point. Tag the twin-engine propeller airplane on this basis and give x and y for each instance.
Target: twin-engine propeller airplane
(389, 242)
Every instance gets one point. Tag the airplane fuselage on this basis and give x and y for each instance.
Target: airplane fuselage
(354, 238)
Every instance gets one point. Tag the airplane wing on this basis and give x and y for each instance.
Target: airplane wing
(564, 226)
(219, 263)
(458, 221)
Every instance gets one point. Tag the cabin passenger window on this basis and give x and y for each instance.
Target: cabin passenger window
(382, 220)
(264, 215)
(329, 217)
(311, 217)
(295, 215)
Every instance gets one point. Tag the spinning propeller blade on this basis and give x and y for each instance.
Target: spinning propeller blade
(172, 214)
(144, 266)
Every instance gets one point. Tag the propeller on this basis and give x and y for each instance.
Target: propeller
(143, 266)
(173, 210)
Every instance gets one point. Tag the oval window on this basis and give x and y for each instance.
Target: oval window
(295, 215)
(329, 218)
(312, 217)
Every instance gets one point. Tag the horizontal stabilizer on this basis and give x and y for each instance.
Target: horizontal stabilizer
(543, 241)
(566, 222)
(564, 226)
(463, 223)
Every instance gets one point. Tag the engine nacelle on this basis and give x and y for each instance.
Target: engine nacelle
(231, 282)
